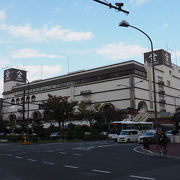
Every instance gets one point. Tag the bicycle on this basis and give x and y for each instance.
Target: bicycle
(162, 150)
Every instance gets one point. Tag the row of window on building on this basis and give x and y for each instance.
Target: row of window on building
(83, 80)
(20, 100)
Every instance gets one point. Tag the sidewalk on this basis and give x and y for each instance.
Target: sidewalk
(172, 150)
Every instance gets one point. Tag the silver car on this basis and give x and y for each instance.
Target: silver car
(149, 133)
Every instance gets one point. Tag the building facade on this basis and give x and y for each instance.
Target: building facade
(124, 85)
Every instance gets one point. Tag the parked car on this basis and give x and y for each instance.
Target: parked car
(54, 134)
(169, 134)
(128, 136)
(148, 135)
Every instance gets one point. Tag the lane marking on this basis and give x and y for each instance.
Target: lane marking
(73, 167)
(49, 163)
(33, 160)
(77, 154)
(18, 157)
(141, 177)
(21, 153)
(59, 149)
(62, 153)
(87, 148)
(9, 155)
(138, 151)
(49, 151)
(101, 171)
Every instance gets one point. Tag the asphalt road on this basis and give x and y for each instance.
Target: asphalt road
(102, 160)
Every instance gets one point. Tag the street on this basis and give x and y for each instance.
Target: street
(105, 160)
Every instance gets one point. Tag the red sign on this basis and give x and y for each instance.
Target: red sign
(151, 104)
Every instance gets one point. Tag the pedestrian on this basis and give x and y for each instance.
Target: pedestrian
(156, 138)
(163, 140)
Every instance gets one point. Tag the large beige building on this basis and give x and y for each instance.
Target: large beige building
(124, 85)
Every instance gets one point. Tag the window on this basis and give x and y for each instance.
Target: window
(168, 83)
(22, 99)
(33, 98)
(12, 101)
(160, 78)
(17, 101)
(27, 98)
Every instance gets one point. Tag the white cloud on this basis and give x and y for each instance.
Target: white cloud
(38, 72)
(77, 36)
(4, 62)
(164, 26)
(138, 2)
(31, 53)
(5, 41)
(46, 33)
(2, 15)
(121, 51)
(176, 54)
(56, 10)
(25, 32)
(65, 34)
(82, 52)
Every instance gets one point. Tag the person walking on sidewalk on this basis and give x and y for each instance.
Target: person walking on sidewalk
(156, 138)
(163, 140)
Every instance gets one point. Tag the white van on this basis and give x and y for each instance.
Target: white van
(128, 136)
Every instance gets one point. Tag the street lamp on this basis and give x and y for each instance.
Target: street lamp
(28, 111)
(23, 106)
(126, 24)
(131, 93)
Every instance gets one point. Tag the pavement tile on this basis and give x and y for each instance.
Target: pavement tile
(172, 150)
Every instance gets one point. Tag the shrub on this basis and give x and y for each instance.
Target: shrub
(14, 137)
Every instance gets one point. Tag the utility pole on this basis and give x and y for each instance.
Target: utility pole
(23, 106)
(117, 6)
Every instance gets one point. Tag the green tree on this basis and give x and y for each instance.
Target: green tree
(58, 108)
(92, 113)
(2, 125)
(37, 127)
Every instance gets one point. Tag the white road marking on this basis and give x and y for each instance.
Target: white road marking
(141, 177)
(21, 153)
(146, 153)
(77, 154)
(9, 155)
(73, 167)
(62, 153)
(18, 157)
(33, 160)
(101, 171)
(49, 163)
(59, 149)
(87, 148)
(49, 151)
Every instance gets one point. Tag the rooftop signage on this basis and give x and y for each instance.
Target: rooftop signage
(160, 57)
(14, 75)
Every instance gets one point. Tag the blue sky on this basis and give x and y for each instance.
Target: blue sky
(41, 35)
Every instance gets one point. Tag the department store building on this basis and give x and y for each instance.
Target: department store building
(124, 85)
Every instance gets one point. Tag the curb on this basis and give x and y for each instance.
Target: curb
(141, 150)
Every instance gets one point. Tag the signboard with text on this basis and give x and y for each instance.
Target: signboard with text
(160, 57)
(14, 75)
